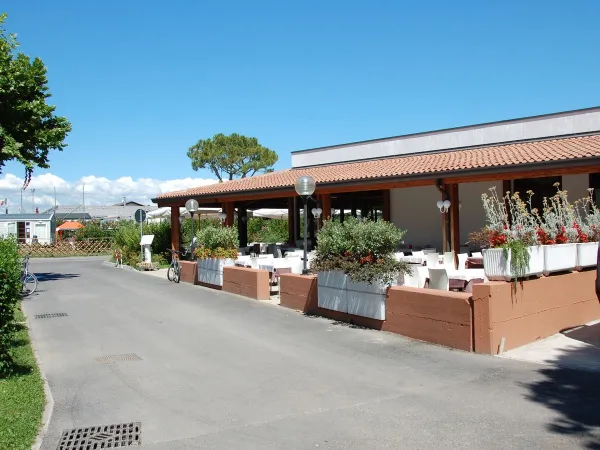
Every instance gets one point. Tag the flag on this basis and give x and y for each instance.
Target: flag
(3, 202)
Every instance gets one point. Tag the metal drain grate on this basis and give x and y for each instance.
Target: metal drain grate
(105, 436)
(50, 316)
(114, 359)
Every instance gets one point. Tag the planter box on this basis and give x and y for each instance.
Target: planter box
(587, 255)
(497, 267)
(338, 293)
(559, 258)
(210, 271)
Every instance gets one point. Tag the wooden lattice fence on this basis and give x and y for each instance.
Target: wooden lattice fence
(88, 247)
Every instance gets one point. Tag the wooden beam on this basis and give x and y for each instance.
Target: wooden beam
(326, 206)
(175, 230)
(229, 211)
(243, 226)
(387, 211)
(454, 220)
(292, 221)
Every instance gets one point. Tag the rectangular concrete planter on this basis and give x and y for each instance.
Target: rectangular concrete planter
(587, 255)
(337, 292)
(559, 258)
(248, 282)
(210, 271)
(189, 272)
(497, 267)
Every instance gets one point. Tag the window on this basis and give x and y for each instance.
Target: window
(12, 228)
(40, 230)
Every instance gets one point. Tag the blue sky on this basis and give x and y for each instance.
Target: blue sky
(141, 81)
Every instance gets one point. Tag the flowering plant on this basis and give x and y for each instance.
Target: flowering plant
(558, 223)
(588, 219)
(218, 242)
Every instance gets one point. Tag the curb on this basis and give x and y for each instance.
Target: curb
(49, 407)
(112, 264)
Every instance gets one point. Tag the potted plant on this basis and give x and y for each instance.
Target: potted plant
(557, 234)
(513, 251)
(217, 248)
(355, 264)
(588, 232)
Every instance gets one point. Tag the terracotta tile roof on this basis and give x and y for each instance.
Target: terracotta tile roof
(410, 165)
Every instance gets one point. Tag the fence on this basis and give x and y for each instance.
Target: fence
(87, 247)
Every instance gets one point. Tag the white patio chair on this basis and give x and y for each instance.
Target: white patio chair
(429, 250)
(432, 259)
(438, 279)
(418, 254)
(449, 260)
(462, 261)
(412, 279)
(477, 255)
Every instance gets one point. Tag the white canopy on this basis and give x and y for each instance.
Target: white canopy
(214, 212)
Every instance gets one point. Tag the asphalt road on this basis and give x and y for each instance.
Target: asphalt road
(217, 371)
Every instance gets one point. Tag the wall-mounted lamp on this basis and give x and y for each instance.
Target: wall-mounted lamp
(316, 212)
(443, 206)
(222, 216)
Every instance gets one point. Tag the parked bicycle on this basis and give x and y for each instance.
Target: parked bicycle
(174, 272)
(28, 280)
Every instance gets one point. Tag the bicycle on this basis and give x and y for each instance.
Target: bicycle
(29, 281)
(174, 272)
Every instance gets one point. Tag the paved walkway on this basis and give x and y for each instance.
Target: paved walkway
(578, 348)
(205, 369)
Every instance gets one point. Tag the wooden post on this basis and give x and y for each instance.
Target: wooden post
(454, 220)
(326, 206)
(229, 211)
(387, 212)
(243, 226)
(292, 213)
(175, 230)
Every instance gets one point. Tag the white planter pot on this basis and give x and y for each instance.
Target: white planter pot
(210, 271)
(338, 293)
(587, 255)
(559, 258)
(497, 267)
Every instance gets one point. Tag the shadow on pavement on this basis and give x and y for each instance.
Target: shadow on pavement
(51, 276)
(573, 394)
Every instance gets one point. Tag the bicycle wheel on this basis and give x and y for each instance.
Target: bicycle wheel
(170, 273)
(30, 284)
(176, 273)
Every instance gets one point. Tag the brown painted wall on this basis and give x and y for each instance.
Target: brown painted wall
(189, 272)
(434, 316)
(538, 309)
(251, 283)
(440, 317)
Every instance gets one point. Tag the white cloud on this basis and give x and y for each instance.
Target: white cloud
(98, 190)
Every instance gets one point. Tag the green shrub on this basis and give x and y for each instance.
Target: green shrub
(267, 230)
(217, 242)
(363, 249)
(93, 230)
(10, 291)
(126, 237)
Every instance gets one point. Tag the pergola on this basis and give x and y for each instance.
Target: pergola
(365, 185)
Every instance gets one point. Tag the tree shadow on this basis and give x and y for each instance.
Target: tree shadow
(571, 388)
(52, 276)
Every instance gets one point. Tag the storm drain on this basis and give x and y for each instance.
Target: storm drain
(50, 316)
(105, 436)
(114, 359)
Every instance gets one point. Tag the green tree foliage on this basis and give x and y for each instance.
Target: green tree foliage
(186, 228)
(93, 230)
(10, 291)
(267, 230)
(232, 156)
(29, 129)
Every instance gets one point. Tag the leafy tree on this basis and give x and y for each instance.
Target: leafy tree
(10, 290)
(232, 156)
(29, 129)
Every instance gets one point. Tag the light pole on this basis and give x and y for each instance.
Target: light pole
(305, 187)
(192, 206)
(33, 200)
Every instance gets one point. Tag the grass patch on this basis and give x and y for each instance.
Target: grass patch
(21, 395)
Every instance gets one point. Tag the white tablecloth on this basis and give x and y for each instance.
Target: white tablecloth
(467, 274)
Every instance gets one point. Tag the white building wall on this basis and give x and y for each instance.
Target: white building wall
(414, 210)
(472, 215)
(576, 186)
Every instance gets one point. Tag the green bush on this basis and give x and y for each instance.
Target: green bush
(215, 237)
(362, 249)
(186, 228)
(10, 291)
(93, 230)
(126, 237)
(267, 230)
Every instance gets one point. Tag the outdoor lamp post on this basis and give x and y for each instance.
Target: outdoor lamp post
(192, 206)
(305, 187)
